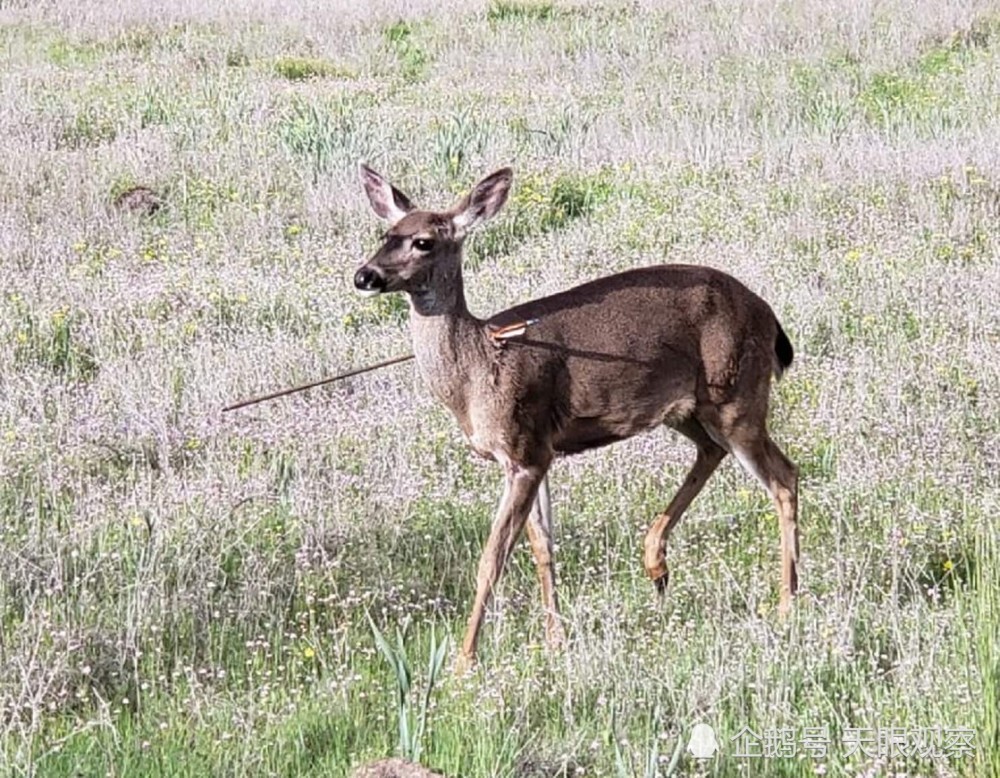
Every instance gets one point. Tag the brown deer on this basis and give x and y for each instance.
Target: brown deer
(681, 345)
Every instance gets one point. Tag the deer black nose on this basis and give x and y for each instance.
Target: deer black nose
(367, 280)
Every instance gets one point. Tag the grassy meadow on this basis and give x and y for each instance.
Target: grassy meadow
(187, 593)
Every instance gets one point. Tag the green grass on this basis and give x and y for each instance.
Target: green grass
(403, 40)
(305, 68)
(187, 593)
(503, 11)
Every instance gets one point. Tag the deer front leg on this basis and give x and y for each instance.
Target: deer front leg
(515, 505)
(540, 536)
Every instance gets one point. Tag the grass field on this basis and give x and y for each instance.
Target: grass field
(187, 593)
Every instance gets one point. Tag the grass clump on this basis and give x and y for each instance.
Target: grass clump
(383, 310)
(412, 56)
(412, 723)
(893, 97)
(237, 58)
(65, 52)
(92, 126)
(574, 197)
(455, 141)
(138, 41)
(507, 11)
(55, 343)
(323, 136)
(307, 68)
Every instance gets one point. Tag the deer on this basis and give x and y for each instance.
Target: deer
(683, 346)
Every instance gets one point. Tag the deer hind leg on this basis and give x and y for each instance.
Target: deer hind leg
(710, 454)
(765, 461)
(539, 529)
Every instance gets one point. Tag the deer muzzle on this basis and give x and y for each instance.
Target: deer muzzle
(369, 282)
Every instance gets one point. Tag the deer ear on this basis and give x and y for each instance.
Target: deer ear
(387, 201)
(483, 202)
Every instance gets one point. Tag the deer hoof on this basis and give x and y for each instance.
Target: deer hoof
(464, 665)
(555, 637)
(660, 582)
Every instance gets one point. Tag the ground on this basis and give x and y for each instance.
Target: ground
(186, 593)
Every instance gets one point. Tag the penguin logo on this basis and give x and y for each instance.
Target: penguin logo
(703, 743)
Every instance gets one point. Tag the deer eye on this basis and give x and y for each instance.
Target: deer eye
(423, 244)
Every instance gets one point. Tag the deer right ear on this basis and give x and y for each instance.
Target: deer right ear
(387, 201)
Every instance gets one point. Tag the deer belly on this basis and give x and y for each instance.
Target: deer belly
(585, 433)
(581, 433)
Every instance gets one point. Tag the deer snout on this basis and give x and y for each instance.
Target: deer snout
(369, 282)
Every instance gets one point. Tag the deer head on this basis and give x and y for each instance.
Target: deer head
(421, 252)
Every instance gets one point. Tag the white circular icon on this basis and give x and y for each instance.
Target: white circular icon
(703, 743)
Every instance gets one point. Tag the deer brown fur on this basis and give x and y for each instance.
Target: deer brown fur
(678, 345)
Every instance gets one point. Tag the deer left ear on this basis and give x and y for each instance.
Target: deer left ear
(483, 202)
(387, 201)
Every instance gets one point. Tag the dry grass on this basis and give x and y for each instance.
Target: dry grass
(184, 593)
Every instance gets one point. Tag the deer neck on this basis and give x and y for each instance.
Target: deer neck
(449, 343)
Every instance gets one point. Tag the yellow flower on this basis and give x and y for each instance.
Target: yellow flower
(948, 565)
(308, 652)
